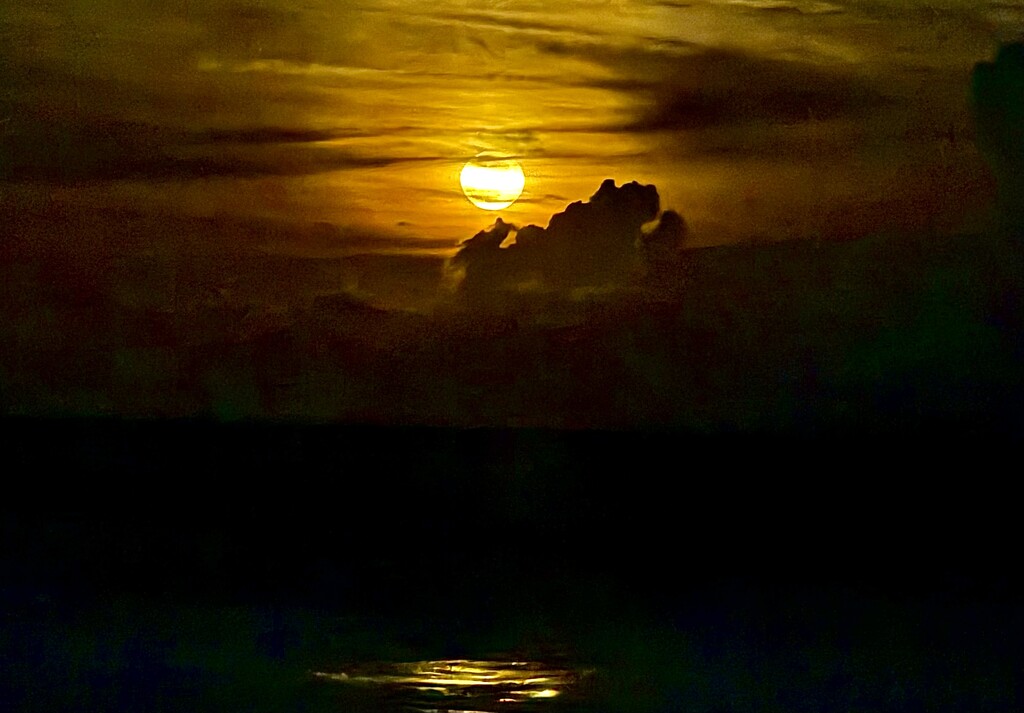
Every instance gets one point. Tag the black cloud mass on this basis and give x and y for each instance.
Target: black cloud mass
(596, 244)
(999, 115)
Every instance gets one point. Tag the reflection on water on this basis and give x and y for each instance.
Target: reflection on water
(462, 686)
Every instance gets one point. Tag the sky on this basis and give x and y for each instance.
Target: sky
(755, 119)
(245, 158)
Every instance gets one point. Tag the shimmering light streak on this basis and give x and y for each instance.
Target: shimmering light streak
(481, 684)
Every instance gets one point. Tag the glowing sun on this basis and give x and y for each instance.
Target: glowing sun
(492, 181)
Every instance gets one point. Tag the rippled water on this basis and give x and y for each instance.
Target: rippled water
(460, 685)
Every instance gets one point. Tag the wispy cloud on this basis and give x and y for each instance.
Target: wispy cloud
(59, 152)
(273, 135)
(789, 6)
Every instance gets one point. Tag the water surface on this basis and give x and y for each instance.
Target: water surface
(460, 685)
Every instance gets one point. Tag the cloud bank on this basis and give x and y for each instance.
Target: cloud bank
(598, 244)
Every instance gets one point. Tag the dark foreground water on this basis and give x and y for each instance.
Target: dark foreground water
(211, 567)
(830, 651)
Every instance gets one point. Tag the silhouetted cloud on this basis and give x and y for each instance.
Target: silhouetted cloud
(597, 244)
(664, 241)
(999, 114)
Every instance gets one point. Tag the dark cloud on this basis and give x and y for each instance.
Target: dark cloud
(246, 30)
(142, 258)
(323, 239)
(65, 151)
(597, 244)
(506, 22)
(790, 8)
(998, 89)
(262, 16)
(272, 135)
(662, 244)
(685, 86)
(703, 91)
(634, 61)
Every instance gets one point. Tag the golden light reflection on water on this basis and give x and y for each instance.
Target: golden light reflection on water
(475, 686)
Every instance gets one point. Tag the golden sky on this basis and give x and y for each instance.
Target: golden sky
(254, 207)
(756, 119)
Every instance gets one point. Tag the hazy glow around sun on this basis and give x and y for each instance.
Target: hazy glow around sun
(491, 181)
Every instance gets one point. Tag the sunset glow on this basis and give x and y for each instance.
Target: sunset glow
(248, 206)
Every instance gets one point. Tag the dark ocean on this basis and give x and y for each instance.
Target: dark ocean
(194, 566)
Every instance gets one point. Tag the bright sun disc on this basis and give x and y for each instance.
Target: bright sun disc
(491, 181)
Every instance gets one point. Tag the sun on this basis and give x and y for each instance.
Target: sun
(492, 181)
